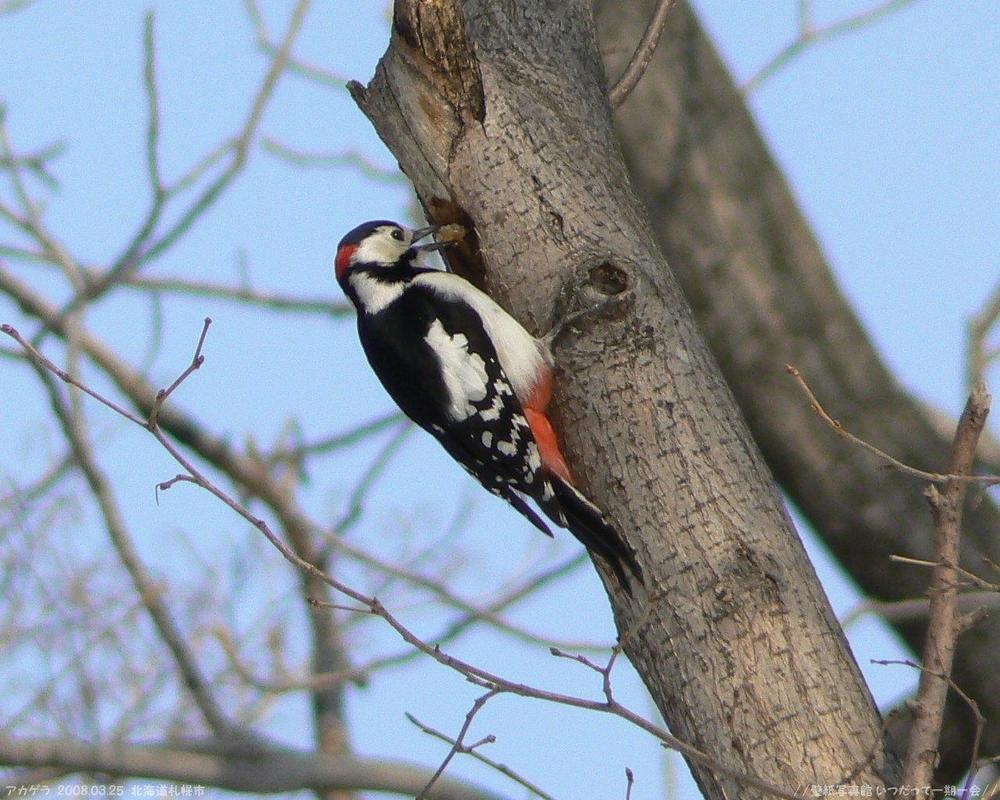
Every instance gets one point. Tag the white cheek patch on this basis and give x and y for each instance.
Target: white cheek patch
(464, 373)
(374, 294)
(380, 248)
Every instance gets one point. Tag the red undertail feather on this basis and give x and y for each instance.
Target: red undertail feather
(541, 428)
(581, 516)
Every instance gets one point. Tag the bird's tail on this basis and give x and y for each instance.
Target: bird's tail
(587, 523)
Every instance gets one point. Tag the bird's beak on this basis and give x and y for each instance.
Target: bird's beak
(421, 233)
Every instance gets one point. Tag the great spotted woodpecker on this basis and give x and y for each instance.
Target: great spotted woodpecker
(464, 370)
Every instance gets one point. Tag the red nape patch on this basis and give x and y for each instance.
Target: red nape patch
(344, 259)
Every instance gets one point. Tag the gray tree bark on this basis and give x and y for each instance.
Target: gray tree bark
(500, 108)
(763, 294)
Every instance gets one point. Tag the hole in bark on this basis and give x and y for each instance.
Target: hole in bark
(404, 27)
(608, 279)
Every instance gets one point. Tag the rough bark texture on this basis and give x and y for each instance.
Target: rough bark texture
(763, 295)
(501, 107)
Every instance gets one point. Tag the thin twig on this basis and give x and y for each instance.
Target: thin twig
(973, 579)
(303, 68)
(241, 294)
(145, 586)
(336, 441)
(472, 673)
(489, 614)
(809, 35)
(38, 358)
(196, 361)
(40, 486)
(11, 6)
(36, 163)
(978, 355)
(642, 56)
(351, 159)
(31, 221)
(501, 768)
(369, 478)
(916, 608)
(153, 106)
(840, 430)
(458, 745)
(141, 249)
(969, 701)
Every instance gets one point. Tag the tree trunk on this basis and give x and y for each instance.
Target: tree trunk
(763, 295)
(500, 107)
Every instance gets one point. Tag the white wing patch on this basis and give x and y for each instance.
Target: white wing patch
(534, 460)
(522, 356)
(493, 412)
(464, 373)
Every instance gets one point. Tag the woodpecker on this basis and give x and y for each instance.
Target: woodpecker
(469, 374)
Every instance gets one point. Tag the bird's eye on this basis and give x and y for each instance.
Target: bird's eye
(397, 234)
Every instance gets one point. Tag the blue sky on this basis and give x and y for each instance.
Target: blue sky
(888, 136)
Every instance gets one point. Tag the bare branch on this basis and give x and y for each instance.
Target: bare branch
(458, 745)
(979, 355)
(304, 69)
(809, 35)
(247, 472)
(196, 361)
(972, 704)
(641, 57)
(933, 477)
(971, 577)
(501, 768)
(242, 294)
(141, 249)
(146, 587)
(489, 614)
(481, 677)
(261, 772)
(338, 440)
(369, 478)
(918, 607)
(944, 627)
(11, 6)
(30, 221)
(37, 358)
(353, 159)
(604, 672)
(44, 483)
(153, 105)
(36, 164)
